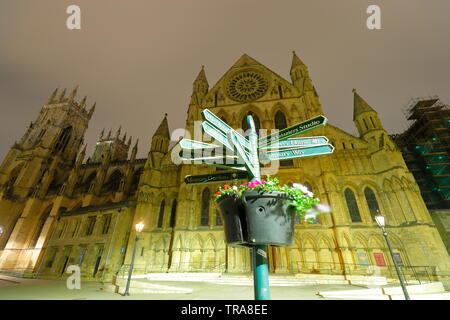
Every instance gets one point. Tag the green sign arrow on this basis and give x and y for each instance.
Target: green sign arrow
(216, 177)
(298, 153)
(192, 144)
(297, 142)
(222, 126)
(241, 153)
(216, 134)
(293, 130)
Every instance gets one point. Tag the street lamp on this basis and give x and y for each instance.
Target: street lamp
(381, 223)
(139, 227)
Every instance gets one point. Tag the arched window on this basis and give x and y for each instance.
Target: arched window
(245, 126)
(372, 202)
(63, 139)
(281, 123)
(204, 218)
(365, 124)
(352, 206)
(218, 218)
(114, 181)
(161, 213)
(280, 120)
(172, 213)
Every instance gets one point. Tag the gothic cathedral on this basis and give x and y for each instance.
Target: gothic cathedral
(58, 208)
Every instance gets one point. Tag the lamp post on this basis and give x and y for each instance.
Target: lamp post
(381, 223)
(139, 227)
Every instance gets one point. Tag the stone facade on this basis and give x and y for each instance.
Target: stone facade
(365, 176)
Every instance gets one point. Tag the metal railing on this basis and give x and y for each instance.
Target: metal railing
(198, 267)
(411, 274)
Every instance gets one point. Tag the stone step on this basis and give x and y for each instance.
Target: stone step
(274, 279)
(427, 291)
(142, 286)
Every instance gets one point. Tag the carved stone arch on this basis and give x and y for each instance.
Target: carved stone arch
(178, 243)
(345, 240)
(280, 107)
(210, 242)
(375, 242)
(306, 239)
(325, 239)
(396, 184)
(406, 183)
(160, 244)
(387, 185)
(372, 185)
(298, 240)
(196, 243)
(354, 187)
(360, 239)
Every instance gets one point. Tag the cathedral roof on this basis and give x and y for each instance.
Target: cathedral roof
(360, 105)
(163, 129)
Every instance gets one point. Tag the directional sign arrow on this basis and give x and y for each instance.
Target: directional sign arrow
(216, 177)
(241, 153)
(216, 134)
(293, 130)
(211, 118)
(201, 154)
(298, 153)
(193, 145)
(298, 142)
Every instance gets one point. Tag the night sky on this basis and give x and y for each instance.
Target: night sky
(138, 58)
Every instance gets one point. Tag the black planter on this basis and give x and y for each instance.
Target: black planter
(258, 218)
(234, 222)
(269, 218)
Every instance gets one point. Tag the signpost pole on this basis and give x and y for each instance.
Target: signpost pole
(275, 147)
(259, 252)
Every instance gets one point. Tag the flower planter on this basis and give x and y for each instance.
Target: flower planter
(258, 218)
(234, 222)
(269, 218)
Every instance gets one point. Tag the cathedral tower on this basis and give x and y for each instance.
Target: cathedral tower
(36, 166)
(55, 136)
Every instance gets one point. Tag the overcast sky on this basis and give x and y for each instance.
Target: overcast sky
(138, 58)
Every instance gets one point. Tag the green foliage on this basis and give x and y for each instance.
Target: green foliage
(299, 196)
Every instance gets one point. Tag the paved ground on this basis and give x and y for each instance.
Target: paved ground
(17, 289)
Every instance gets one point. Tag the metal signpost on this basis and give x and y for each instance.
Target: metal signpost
(279, 146)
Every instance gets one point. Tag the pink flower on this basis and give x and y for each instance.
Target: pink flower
(252, 185)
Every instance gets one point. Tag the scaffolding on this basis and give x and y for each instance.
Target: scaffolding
(425, 146)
